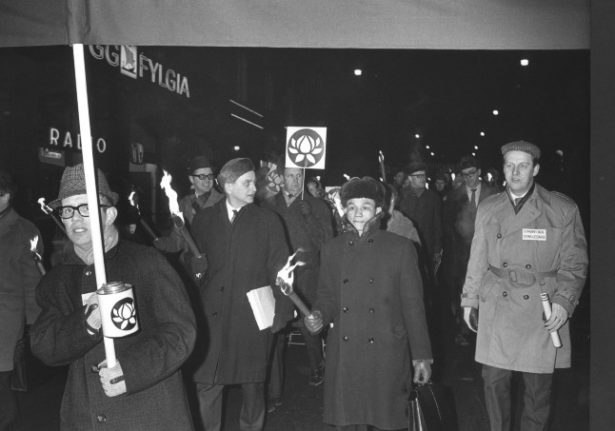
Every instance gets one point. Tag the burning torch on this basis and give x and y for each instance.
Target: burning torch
(47, 210)
(285, 279)
(38, 260)
(176, 214)
(383, 175)
(133, 202)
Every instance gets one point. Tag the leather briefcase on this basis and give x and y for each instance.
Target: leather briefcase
(432, 408)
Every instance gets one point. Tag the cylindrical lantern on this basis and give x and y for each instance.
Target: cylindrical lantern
(117, 309)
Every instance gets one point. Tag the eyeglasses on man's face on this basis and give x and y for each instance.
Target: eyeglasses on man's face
(67, 211)
(203, 177)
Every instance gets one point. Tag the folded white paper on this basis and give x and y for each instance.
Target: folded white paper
(262, 302)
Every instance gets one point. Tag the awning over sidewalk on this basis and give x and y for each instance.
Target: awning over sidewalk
(391, 24)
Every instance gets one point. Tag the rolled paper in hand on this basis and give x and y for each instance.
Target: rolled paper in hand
(546, 306)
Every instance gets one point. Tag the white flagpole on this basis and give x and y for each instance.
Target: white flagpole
(90, 182)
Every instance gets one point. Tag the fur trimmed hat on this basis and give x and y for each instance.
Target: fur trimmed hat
(73, 183)
(199, 162)
(365, 187)
(526, 147)
(233, 169)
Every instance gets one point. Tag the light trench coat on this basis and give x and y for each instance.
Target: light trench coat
(543, 248)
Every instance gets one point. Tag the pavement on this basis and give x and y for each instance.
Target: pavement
(302, 408)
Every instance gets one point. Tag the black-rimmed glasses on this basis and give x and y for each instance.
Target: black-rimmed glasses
(67, 211)
(204, 177)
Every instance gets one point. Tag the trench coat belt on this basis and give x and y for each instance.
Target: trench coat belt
(521, 277)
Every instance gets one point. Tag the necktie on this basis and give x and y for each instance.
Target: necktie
(473, 198)
(517, 200)
(235, 212)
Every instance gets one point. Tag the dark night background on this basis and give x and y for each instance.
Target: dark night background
(446, 97)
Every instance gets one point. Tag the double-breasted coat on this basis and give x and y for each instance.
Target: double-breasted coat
(18, 280)
(515, 257)
(370, 289)
(243, 255)
(150, 359)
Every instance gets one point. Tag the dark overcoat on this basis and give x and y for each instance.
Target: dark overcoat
(370, 289)
(18, 279)
(242, 256)
(150, 359)
(541, 249)
(305, 234)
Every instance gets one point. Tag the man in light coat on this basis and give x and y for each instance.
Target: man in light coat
(527, 241)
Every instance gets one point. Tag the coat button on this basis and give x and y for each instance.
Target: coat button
(370, 240)
(371, 310)
(88, 273)
(345, 281)
(528, 266)
(345, 338)
(101, 418)
(371, 341)
(351, 242)
(371, 281)
(499, 235)
(504, 294)
(505, 265)
(526, 297)
(345, 309)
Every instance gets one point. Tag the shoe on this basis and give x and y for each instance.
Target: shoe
(317, 377)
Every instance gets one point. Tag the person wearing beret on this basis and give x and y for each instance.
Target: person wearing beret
(246, 247)
(527, 241)
(145, 389)
(370, 294)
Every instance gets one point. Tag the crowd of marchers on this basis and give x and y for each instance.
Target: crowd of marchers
(377, 267)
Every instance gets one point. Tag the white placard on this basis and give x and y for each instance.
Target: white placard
(306, 147)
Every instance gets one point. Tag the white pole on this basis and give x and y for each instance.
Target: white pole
(90, 182)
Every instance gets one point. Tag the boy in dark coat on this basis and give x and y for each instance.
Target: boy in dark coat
(144, 391)
(370, 290)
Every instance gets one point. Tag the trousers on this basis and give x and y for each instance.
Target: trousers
(536, 399)
(252, 415)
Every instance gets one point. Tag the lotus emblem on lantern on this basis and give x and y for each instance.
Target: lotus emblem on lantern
(306, 148)
(124, 315)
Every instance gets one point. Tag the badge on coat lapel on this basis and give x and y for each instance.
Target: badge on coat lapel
(534, 235)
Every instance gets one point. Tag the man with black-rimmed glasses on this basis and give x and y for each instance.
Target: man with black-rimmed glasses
(144, 390)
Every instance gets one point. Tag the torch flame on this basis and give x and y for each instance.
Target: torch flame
(380, 156)
(165, 184)
(44, 207)
(285, 276)
(132, 200)
(34, 244)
